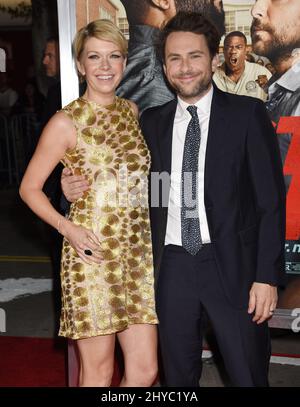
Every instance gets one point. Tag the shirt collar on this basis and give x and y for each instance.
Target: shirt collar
(203, 105)
(289, 80)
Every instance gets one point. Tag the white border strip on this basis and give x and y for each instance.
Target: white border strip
(67, 29)
(69, 91)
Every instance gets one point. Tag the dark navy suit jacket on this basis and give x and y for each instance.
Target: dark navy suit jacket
(244, 190)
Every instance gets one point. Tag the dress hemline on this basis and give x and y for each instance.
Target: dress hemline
(109, 332)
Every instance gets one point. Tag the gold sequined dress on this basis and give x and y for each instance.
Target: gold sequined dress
(111, 152)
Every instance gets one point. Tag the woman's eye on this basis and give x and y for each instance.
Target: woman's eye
(94, 56)
(116, 56)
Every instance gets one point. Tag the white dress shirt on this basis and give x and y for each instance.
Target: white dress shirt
(181, 121)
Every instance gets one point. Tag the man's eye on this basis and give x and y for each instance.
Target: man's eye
(196, 56)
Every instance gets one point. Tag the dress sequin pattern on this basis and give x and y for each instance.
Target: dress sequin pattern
(107, 298)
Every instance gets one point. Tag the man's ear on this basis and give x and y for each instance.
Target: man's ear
(162, 4)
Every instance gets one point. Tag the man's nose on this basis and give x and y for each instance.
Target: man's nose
(259, 9)
(185, 65)
(45, 60)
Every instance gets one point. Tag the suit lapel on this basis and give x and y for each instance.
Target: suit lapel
(216, 131)
(166, 134)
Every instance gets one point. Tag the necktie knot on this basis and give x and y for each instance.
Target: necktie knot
(192, 110)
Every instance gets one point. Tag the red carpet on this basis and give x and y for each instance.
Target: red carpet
(36, 362)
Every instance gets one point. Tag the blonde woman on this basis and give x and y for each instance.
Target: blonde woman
(106, 270)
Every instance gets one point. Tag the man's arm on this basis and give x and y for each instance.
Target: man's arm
(268, 184)
(73, 186)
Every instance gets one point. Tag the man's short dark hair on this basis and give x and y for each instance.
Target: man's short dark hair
(135, 10)
(54, 39)
(205, 7)
(190, 22)
(235, 34)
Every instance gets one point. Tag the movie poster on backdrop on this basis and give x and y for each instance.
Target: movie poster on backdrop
(272, 29)
(273, 32)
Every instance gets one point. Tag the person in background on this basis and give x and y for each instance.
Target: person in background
(260, 61)
(250, 58)
(30, 101)
(29, 106)
(8, 96)
(51, 64)
(278, 41)
(107, 267)
(271, 68)
(51, 58)
(237, 75)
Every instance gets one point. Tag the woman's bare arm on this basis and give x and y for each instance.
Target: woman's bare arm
(58, 136)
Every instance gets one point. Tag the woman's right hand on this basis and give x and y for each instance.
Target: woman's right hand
(73, 186)
(82, 239)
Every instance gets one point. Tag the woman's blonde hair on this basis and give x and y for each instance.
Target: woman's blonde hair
(103, 30)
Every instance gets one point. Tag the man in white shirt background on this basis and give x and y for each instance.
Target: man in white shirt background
(237, 75)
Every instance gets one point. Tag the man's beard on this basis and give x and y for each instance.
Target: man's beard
(276, 47)
(206, 8)
(197, 91)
